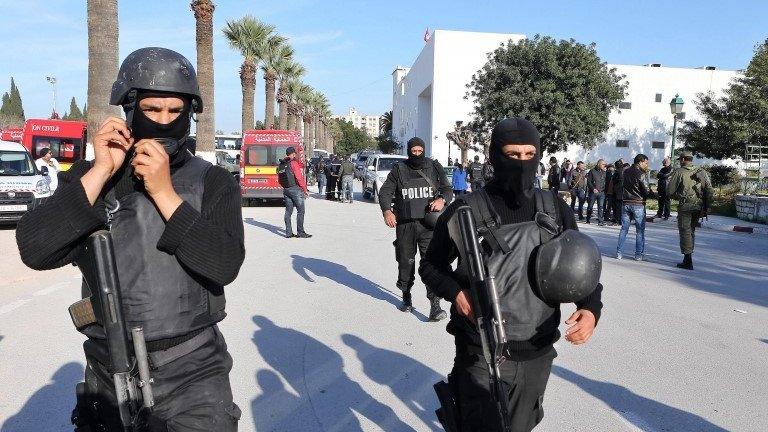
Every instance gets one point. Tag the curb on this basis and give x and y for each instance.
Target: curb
(761, 231)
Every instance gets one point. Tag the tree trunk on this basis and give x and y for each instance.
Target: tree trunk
(297, 122)
(269, 90)
(205, 128)
(102, 61)
(308, 134)
(282, 104)
(316, 131)
(464, 151)
(291, 119)
(248, 82)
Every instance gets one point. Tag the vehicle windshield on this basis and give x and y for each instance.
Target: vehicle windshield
(386, 164)
(13, 163)
(228, 143)
(265, 155)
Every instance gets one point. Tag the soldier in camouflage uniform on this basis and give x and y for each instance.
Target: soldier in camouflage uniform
(691, 187)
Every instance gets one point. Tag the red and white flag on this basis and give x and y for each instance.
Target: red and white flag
(427, 36)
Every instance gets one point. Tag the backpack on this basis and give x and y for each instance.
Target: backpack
(510, 252)
(285, 175)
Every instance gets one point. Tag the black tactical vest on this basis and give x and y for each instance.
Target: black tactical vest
(509, 254)
(158, 294)
(414, 194)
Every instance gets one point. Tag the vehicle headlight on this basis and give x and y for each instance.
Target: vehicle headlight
(42, 187)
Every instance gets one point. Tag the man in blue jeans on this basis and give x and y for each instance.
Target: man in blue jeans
(294, 195)
(633, 193)
(596, 190)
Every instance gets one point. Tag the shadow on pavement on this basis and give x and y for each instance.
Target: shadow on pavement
(722, 266)
(271, 228)
(50, 407)
(307, 388)
(410, 380)
(340, 274)
(764, 340)
(644, 413)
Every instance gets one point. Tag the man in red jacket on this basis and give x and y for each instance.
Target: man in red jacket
(294, 195)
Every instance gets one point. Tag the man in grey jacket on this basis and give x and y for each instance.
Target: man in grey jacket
(347, 175)
(596, 190)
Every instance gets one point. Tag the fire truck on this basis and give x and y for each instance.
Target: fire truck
(65, 138)
(260, 154)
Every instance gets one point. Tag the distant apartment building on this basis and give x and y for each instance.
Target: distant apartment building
(368, 123)
(428, 98)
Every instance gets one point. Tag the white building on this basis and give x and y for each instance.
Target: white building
(368, 123)
(428, 99)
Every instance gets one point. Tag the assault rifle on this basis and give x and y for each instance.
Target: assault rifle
(485, 304)
(104, 306)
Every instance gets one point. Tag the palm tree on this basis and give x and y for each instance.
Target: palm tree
(307, 99)
(276, 58)
(385, 123)
(206, 130)
(320, 104)
(251, 37)
(102, 60)
(288, 72)
(292, 88)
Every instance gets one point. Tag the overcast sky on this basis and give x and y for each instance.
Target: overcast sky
(351, 47)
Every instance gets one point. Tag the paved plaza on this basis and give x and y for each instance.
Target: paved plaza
(319, 344)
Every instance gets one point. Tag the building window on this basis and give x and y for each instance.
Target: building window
(658, 97)
(625, 105)
(658, 144)
(622, 143)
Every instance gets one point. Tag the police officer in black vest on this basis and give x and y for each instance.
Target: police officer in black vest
(510, 199)
(177, 231)
(413, 189)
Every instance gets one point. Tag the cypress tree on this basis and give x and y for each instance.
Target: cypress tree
(17, 107)
(74, 111)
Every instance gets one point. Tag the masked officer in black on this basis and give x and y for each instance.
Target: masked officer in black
(417, 186)
(514, 152)
(177, 231)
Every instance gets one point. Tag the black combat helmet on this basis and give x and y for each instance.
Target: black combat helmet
(567, 268)
(156, 69)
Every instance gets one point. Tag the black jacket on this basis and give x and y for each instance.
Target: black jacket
(634, 190)
(663, 177)
(596, 180)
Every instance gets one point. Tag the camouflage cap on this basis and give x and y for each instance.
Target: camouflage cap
(685, 154)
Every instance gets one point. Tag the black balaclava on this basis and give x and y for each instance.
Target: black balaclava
(143, 127)
(416, 162)
(513, 175)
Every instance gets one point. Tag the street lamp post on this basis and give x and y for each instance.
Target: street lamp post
(676, 107)
(52, 79)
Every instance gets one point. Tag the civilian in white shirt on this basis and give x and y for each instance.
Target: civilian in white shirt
(46, 160)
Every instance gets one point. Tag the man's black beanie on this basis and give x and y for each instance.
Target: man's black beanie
(415, 142)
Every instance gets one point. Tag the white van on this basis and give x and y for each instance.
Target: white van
(22, 186)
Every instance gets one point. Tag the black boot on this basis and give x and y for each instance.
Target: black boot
(406, 305)
(687, 262)
(435, 312)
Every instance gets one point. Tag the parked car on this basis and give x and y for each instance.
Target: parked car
(377, 169)
(228, 162)
(22, 186)
(360, 162)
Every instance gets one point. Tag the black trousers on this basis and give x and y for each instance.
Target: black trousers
(524, 384)
(192, 392)
(330, 192)
(410, 236)
(663, 204)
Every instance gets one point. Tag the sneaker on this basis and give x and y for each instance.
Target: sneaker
(303, 235)
(601, 224)
(639, 257)
(290, 235)
(619, 256)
